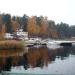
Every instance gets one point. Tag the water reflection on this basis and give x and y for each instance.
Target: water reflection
(32, 57)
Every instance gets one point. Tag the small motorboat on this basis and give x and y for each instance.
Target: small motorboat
(53, 45)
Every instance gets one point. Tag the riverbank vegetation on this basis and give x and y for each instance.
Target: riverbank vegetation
(11, 44)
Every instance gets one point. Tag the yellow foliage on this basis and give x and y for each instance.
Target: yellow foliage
(15, 25)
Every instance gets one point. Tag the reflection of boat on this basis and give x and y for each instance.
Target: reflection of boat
(37, 46)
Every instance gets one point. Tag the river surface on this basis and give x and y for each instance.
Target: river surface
(38, 60)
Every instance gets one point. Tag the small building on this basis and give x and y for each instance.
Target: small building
(20, 34)
(8, 36)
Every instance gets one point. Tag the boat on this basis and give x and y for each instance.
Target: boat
(53, 45)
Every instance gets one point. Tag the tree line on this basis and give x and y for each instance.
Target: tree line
(35, 26)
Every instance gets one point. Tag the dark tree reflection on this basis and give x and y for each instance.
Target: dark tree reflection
(35, 57)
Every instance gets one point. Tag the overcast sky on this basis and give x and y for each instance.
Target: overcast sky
(57, 10)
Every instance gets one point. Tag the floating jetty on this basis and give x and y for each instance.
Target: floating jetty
(65, 43)
(52, 43)
(61, 43)
(14, 44)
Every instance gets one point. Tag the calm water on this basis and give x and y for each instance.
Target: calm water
(37, 61)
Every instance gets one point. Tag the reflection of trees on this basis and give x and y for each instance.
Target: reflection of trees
(5, 64)
(52, 55)
(73, 50)
(9, 58)
(36, 57)
(64, 52)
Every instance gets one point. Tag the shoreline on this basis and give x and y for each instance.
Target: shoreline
(11, 44)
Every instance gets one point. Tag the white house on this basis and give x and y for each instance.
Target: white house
(8, 36)
(22, 35)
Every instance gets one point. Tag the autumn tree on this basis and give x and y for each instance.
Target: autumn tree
(44, 27)
(52, 29)
(2, 27)
(15, 25)
(32, 28)
(3, 30)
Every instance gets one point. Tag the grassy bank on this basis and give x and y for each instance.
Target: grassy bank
(11, 44)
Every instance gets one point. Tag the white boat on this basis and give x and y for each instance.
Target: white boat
(53, 45)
